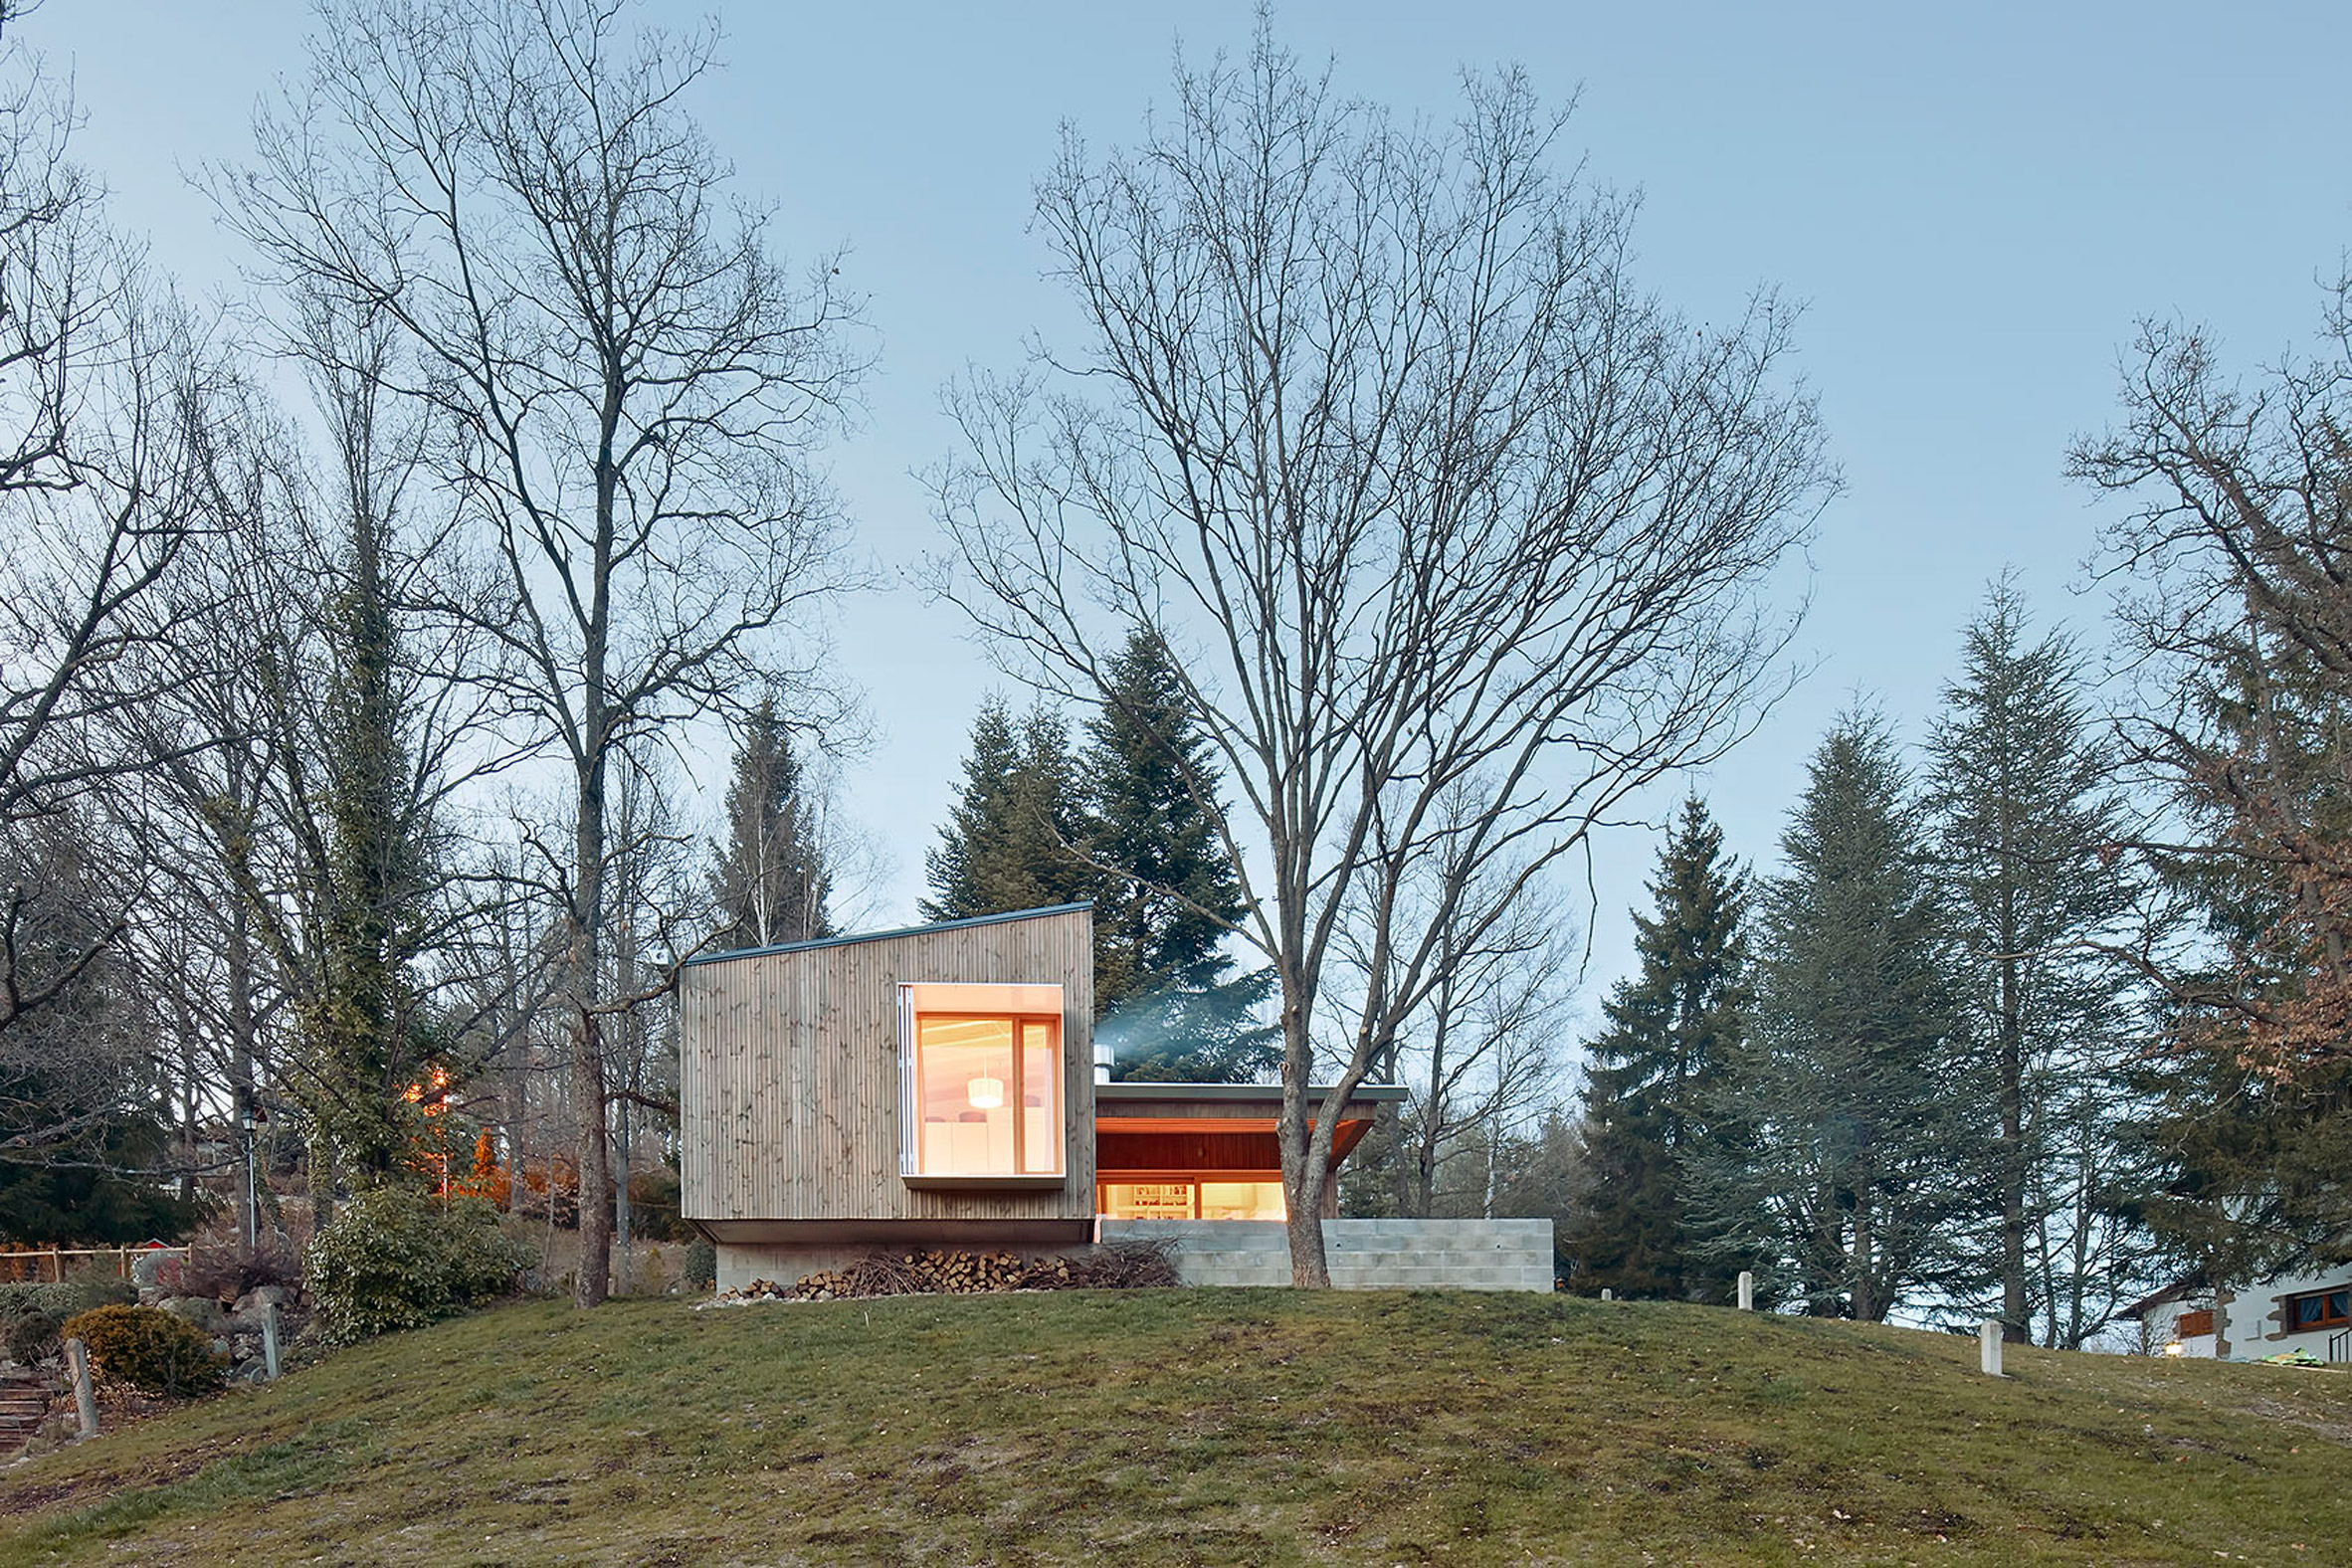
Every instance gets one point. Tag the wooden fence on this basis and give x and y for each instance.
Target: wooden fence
(35, 1264)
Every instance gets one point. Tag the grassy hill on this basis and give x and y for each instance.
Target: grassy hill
(1242, 1427)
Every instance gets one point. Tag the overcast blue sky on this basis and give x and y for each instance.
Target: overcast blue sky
(1974, 202)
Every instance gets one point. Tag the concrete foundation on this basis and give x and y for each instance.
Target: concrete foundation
(1365, 1255)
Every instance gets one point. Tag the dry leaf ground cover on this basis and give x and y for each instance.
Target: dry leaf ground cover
(1205, 1425)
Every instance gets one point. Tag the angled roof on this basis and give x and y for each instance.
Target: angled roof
(883, 936)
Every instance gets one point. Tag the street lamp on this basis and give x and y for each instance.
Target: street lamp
(253, 1212)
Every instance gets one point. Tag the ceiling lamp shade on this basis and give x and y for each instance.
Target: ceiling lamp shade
(985, 1093)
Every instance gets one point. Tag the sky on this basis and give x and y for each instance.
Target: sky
(1975, 205)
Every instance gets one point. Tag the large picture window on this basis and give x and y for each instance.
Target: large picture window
(1176, 1195)
(982, 1066)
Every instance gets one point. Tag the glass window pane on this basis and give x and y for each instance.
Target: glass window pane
(1241, 1200)
(1041, 1098)
(1147, 1200)
(964, 1071)
(2337, 1302)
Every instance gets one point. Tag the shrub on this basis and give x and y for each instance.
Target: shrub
(30, 1314)
(148, 1348)
(700, 1270)
(33, 1334)
(396, 1259)
(228, 1272)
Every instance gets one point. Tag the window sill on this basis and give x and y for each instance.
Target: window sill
(1004, 1183)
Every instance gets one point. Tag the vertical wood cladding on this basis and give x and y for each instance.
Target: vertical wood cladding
(788, 1073)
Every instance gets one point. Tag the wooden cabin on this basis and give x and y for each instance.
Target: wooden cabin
(937, 1087)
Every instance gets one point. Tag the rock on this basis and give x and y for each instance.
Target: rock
(220, 1347)
(262, 1295)
(202, 1310)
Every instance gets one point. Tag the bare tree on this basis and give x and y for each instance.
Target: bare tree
(1478, 1057)
(635, 386)
(1373, 425)
(100, 381)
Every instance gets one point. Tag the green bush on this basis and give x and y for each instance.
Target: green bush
(72, 1296)
(33, 1334)
(700, 1269)
(30, 1313)
(396, 1259)
(149, 1349)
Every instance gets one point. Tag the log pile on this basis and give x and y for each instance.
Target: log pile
(1123, 1266)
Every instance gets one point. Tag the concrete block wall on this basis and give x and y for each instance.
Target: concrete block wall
(1365, 1255)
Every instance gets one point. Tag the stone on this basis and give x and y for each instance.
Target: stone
(259, 1295)
(202, 1310)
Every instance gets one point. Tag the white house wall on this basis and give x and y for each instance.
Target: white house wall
(2247, 1322)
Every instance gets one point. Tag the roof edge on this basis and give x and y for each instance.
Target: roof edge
(1143, 1089)
(883, 936)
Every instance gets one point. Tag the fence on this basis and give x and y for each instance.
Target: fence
(35, 1264)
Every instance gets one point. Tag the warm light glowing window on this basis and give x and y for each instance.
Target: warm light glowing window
(1183, 1197)
(983, 1069)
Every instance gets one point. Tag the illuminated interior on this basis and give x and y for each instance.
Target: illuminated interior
(1191, 1195)
(987, 1088)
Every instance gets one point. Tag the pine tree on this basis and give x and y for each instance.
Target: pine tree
(769, 881)
(1656, 1071)
(2027, 820)
(1172, 1008)
(1008, 845)
(1861, 1129)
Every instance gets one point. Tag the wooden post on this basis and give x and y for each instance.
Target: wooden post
(1988, 1342)
(1747, 1292)
(85, 1400)
(270, 1339)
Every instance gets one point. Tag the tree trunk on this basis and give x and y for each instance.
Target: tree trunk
(1303, 1183)
(593, 1281)
(2014, 1309)
(1863, 1292)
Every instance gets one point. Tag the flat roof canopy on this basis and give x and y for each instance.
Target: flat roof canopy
(1214, 1126)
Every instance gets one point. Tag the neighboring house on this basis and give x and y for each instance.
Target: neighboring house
(935, 1087)
(2311, 1313)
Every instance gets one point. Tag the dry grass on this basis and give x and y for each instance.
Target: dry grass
(1238, 1426)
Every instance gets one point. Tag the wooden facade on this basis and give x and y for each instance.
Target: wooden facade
(790, 1091)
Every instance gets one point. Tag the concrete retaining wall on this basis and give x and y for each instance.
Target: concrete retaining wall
(1365, 1255)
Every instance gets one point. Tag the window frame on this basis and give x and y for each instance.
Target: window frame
(1192, 1178)
(2291, 1309)
(1030, 1007)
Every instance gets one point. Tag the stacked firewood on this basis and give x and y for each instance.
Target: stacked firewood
(1121, 1265)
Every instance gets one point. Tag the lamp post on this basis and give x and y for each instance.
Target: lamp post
(253, 1215)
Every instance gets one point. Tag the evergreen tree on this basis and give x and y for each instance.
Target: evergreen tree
(1655, 1073)
(2249, 1130)
(362, 821)
(1008, 845)
(2027, 820)
(1172, 1008)
(1862, 1125)
(769, 881)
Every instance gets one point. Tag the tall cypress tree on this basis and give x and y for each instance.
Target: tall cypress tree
(1655, 1073)
(1862, 1125)
(1008, 844)
(1172, 1008)
(769, 881)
